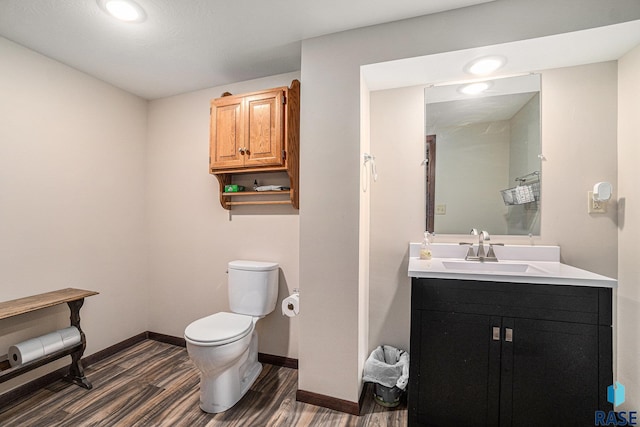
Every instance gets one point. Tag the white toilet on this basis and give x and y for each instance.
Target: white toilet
(224, 346)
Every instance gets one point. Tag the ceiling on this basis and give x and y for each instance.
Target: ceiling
(474, 110)
(189, 45)
(442, 73)
(446, 106)
(589, 46)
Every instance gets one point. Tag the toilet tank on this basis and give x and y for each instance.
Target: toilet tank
(253, 287)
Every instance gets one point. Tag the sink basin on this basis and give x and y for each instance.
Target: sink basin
(491, 267)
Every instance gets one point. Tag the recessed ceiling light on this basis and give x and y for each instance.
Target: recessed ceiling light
(485, 65)
(474, 88)
(124, 10)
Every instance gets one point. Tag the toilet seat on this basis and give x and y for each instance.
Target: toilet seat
(218, 329)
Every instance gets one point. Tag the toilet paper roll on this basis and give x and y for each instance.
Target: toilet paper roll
(44, 345)
(51, 342)
(291, 305)
(70, 336)
(25, 351)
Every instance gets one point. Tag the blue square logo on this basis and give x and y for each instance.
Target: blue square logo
(615, 394)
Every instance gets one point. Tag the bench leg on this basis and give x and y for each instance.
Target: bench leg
(76, 370)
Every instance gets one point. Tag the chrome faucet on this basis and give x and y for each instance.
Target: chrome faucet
(480, 255)
(482, 236)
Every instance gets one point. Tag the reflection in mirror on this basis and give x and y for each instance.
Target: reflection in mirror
(485, 172)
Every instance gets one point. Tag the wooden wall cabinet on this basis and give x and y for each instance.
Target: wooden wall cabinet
(255, 133)
(508, 354)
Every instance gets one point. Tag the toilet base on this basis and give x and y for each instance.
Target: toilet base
(225, 390)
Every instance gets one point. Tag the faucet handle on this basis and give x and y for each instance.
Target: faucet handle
(470, 253)
(491, 255)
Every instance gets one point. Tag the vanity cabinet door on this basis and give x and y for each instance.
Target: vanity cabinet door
(549, 373)
(455, 378)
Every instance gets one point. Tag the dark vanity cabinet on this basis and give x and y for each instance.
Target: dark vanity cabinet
(508, 354)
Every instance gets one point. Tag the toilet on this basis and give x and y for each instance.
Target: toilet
(224, 346)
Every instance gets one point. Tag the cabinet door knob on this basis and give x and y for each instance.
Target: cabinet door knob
(508, 335)
(496, 333)
(241, 150)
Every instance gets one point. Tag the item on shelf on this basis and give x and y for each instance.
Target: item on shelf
(271, 188)
(233, 188)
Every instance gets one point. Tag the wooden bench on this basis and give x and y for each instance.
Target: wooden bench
(74, 299)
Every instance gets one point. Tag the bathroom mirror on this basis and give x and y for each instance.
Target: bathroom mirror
(483, 155)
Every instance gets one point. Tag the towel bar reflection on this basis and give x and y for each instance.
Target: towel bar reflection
(368, 158)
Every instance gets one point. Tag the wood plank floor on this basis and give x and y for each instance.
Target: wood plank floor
(155, 384)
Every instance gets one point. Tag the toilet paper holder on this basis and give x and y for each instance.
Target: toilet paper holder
(295, 291)
(289, 303)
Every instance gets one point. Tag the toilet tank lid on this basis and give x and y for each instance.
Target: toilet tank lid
(253, 265)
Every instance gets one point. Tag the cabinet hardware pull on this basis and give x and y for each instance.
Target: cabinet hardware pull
(508, 335)
(241, 150)
(496, 333)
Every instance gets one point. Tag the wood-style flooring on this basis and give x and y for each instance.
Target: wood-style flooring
(156, 384)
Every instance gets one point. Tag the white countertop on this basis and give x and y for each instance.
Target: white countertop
(539, 265)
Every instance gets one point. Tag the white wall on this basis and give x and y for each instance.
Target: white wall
(330, 158)
(628, 195)
(463, 155)
(192, 238)
(579, 132)
(72, 200)
(368, 175)
(397, 210)
(524, 152)
(525, 139)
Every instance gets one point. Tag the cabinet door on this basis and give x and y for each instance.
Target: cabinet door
(549, 373)
(227, 133)
(456, 371)
(265, 129)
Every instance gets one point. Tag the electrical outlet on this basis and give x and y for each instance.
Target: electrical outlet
(441, 209)
(595, 206)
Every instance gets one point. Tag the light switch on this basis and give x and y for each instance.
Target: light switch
(441, 209)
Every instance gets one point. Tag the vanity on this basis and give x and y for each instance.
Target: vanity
(526, 341)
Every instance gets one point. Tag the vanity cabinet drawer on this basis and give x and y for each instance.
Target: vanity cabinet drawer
(578, 304)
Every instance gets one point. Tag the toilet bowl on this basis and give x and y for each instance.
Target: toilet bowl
(224, 346)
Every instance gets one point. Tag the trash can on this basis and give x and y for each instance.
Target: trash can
(388, 368)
